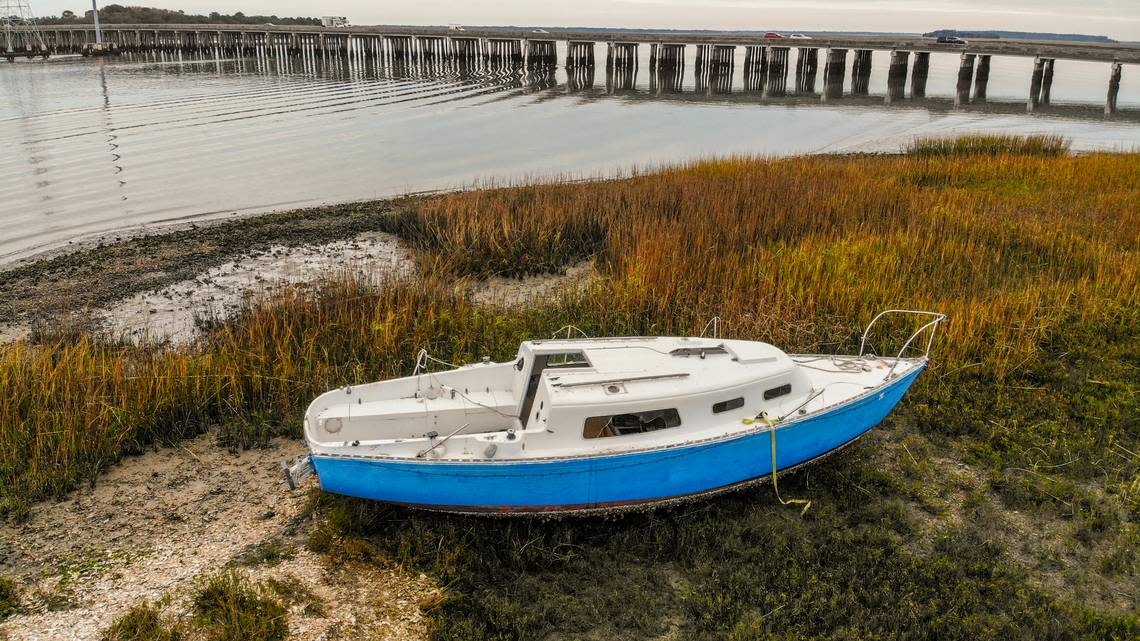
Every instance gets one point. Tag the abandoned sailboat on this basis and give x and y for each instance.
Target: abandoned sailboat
(599, 423)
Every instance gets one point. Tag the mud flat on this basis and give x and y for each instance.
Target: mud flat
(171, 313)
(157, 524)
(74, 286)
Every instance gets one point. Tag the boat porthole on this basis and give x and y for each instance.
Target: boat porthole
(613, 389)
(536, 415)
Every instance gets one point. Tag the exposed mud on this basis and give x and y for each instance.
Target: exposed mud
(74, 285)
(516, 291)
(169, 314)
(155, 285)
(157, 523)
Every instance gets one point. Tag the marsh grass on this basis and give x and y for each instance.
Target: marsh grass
(229, 607)
(270, 552)
(293, 591)
(1034, 256)
(143, 622)
(9, 597)
(990, 145)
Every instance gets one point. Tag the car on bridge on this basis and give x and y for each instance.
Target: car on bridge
(950, 40)
(773, 34)
(799, 36)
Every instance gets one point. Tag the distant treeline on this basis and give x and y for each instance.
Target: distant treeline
(1020, 35)
(118, 14)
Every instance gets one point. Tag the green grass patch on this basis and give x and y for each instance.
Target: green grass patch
(143, 622)
(990, 145)
(270, 552)
(9, 597)
(229, 607)
(293, 591)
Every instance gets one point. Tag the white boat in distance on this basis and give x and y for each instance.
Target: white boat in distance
(591, 424)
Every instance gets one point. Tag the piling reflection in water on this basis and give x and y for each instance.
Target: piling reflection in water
(667, 77)
(579, 79)
(532, 66)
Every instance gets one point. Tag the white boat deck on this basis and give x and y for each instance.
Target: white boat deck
(590, 397)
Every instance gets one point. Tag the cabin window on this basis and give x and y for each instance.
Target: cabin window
(567, 359)
(632, 423)
(777, 392)
(724, 406)
(699, 351)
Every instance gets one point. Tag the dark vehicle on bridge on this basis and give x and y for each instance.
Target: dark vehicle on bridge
(950, 40)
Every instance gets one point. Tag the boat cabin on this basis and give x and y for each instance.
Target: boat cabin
(565, 396)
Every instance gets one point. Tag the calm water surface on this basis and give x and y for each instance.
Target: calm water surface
(91, 146)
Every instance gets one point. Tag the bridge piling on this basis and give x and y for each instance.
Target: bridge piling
(776, 80)
(1040, 84)
(766, 62)
(981, 79)
(666, 55)
(580, 53)
(755, 67)
(668, 76)
(722, 69)
(896, 76)
(702, 68)
(621, 55)
(834, 72)
(541, 53)
(807, 67)
(1113, 89)
(965, 79)
(1047, 82)
(861, 72)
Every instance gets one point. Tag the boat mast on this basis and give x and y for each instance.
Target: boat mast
(98, 31)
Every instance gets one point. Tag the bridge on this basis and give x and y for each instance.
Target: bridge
(767, 61)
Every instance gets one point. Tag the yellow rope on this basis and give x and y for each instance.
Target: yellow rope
(772, 430)
(804, 502)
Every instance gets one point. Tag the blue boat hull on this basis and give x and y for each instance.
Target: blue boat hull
(599, 482)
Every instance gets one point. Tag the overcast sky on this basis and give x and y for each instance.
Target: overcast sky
(1114, 18)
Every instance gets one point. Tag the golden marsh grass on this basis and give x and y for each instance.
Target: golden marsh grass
(800, 252)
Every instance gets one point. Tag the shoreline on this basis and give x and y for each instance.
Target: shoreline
(70, 283)
(166, 289)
